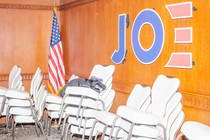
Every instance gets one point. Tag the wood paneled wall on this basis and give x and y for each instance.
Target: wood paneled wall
(24, 40)
(90, 36)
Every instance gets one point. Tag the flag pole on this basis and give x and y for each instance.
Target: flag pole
(56, 70)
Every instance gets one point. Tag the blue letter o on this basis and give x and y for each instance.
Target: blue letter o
(148, 16)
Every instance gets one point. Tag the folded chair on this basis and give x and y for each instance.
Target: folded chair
(163, 118)
(18, 100)
(107, 123)
(33, 114)
(195, 131)
(14, 82)
(52, 106)
(81, 103)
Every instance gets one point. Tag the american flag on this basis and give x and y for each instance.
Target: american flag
(55, 62)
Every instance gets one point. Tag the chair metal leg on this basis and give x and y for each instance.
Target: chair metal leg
(50, 124)
(13, 129)
(93, 127)
(84, 129)
(46, 120)
(117, 132)
(96, 136)
(42, 130)
(2, 105)
(36, 129)
(7, 118)
(113, 126)
(80, 104)
(64, 125)
(61, 114)
(130, 131)
(104, 131)
(66, 134)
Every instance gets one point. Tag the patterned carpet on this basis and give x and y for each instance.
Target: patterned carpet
(27, 132)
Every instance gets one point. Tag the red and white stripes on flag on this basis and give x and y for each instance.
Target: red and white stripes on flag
(55, 62)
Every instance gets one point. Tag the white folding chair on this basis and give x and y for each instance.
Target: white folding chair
(14, 82)
(53, 105)
(162, 120)
(80, 103)
(18, 100)
(107, 123)
(195, 131)
(33, 114)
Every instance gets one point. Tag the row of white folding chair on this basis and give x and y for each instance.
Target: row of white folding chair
(53, 103)
(81, 117)
(14, 82)
(107, 123)
(23, 106)
(165, 111)
(80, 103)
(33, 114)
(162, 120)
(150, 126)
(19, 99)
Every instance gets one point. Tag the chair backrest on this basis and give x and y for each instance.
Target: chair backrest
(103, 72)
(35, 82)
(39, 104)
(176, 125)
(15, 72)
(171, 106)
(138, 96)
(172, 121)
(17, 82)
(163, 89)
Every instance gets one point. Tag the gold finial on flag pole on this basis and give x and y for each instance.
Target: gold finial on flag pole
(54, 7)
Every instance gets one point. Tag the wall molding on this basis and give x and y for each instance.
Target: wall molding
(188, 99)
(26, 76)
(194, 100)
(28, 7)
(74, 4)
(41, 7)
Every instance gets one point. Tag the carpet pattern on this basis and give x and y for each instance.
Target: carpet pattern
(27, 132)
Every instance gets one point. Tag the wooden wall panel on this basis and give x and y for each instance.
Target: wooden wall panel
(90, 36)
(24, 40)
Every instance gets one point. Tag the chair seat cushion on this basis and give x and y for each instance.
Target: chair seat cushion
(19, 94)
(19, 103)
(196, 131)
(82, 91)
(55, 114)
(149, 131)
(24, 119)
(138, 116)
(71, 110)
(53, 99)
(105, 117)
(20, 111)
(52, 107)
